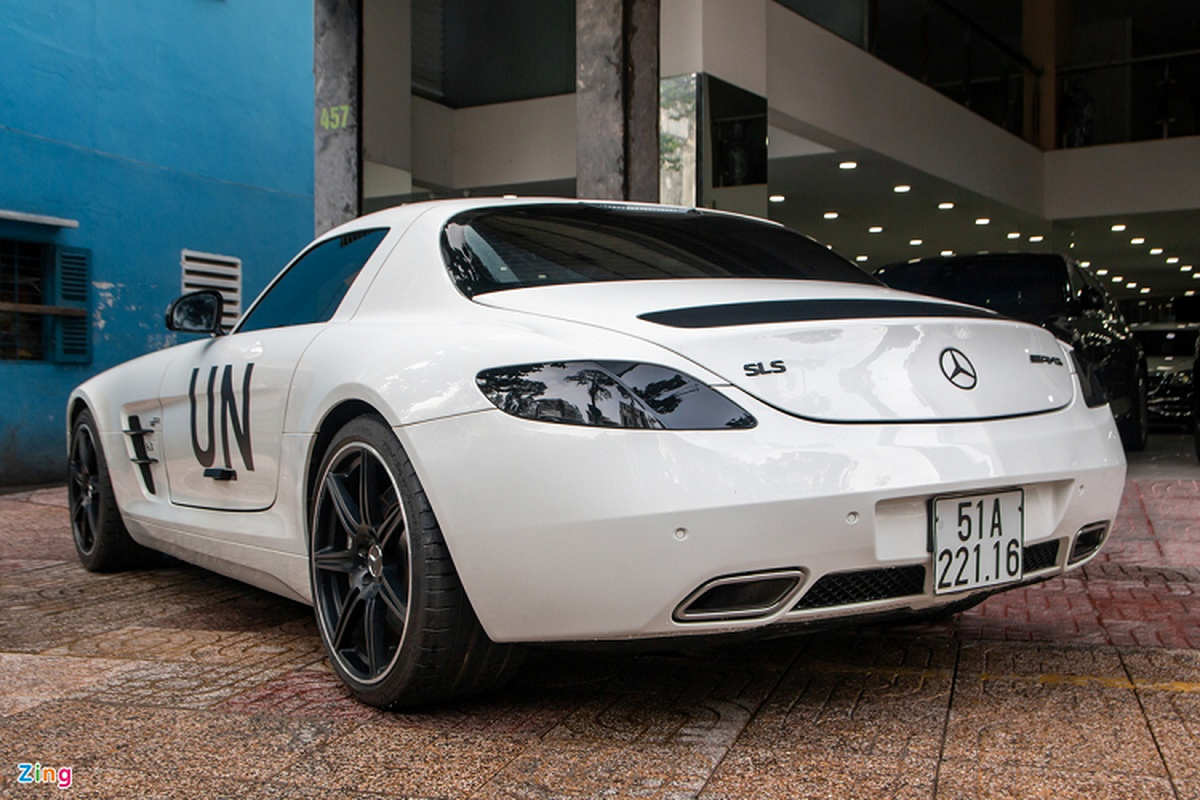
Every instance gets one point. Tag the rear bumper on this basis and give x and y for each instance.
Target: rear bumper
(564, 533)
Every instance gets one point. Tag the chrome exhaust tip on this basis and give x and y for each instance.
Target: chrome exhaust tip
(740, 597)
(1088, 541)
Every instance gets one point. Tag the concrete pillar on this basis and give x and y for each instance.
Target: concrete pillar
(616, 99)
(337, 50)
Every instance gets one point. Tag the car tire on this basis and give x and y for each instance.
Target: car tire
(1135, 428)
(392, 612)
(101, 540)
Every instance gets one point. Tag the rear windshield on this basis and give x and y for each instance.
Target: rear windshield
(525, 246)
(1028, 287)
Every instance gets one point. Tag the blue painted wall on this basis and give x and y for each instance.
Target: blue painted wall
(159, 126)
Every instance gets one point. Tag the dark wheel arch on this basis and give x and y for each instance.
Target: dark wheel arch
(392, 613)
(101, 540)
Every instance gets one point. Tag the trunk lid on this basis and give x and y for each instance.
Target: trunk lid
(829, 351)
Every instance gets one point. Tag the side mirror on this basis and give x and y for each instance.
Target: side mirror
(197, 312)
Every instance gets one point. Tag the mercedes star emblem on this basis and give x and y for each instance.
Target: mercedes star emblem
(958, 369)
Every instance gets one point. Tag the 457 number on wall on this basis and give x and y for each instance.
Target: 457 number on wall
(335, 117)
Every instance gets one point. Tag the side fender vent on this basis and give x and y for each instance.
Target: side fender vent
(141, 455)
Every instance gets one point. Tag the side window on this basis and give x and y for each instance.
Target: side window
(313, 286)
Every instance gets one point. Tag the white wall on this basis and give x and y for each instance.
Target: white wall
(834, 88)
(521, 142)
(1134, 178)
(432, 143)
(725, 38)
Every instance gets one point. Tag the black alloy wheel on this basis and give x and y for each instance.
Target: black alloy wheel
(83, 490)
(101, 540)
(391, 611)
(360, 562)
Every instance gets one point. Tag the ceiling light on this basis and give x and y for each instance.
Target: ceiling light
(1196, 274)
(983, 221)
(947, 252)
(510, 197)
(1087, 264)
(1120, 226)
(1014, 234)
(875, 229)
(1117, 279)
(1186, 268)
(776, 198)
(860, 258)
(915, 242)
(1190, 293)
(902, 188)
(1138, 240)
(829, 214)
(848, 165)
(1173, 260)
(1156, 251)
(1037, 238)
(1145, 290)
(1102, 272)
(1131, 285)
(946, 206)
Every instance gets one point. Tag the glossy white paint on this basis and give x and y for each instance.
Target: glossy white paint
(859, 370)
(562, 532)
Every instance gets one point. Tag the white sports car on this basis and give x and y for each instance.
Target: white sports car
(459, 426)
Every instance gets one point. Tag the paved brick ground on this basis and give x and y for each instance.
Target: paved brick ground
(177, 683)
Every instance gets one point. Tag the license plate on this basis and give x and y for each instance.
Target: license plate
(977, 540)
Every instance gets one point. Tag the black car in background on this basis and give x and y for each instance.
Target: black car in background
(1196, 399)
(1170, 356)
(1054, 292)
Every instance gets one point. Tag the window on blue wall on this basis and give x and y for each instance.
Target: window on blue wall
(44, 297)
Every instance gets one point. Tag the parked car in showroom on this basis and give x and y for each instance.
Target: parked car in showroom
(460, 427)
(1196, 399)
(1170, 357)
(1054, 292)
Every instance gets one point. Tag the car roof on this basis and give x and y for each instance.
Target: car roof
(449, 207)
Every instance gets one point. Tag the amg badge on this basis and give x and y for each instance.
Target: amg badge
(1034, 358)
